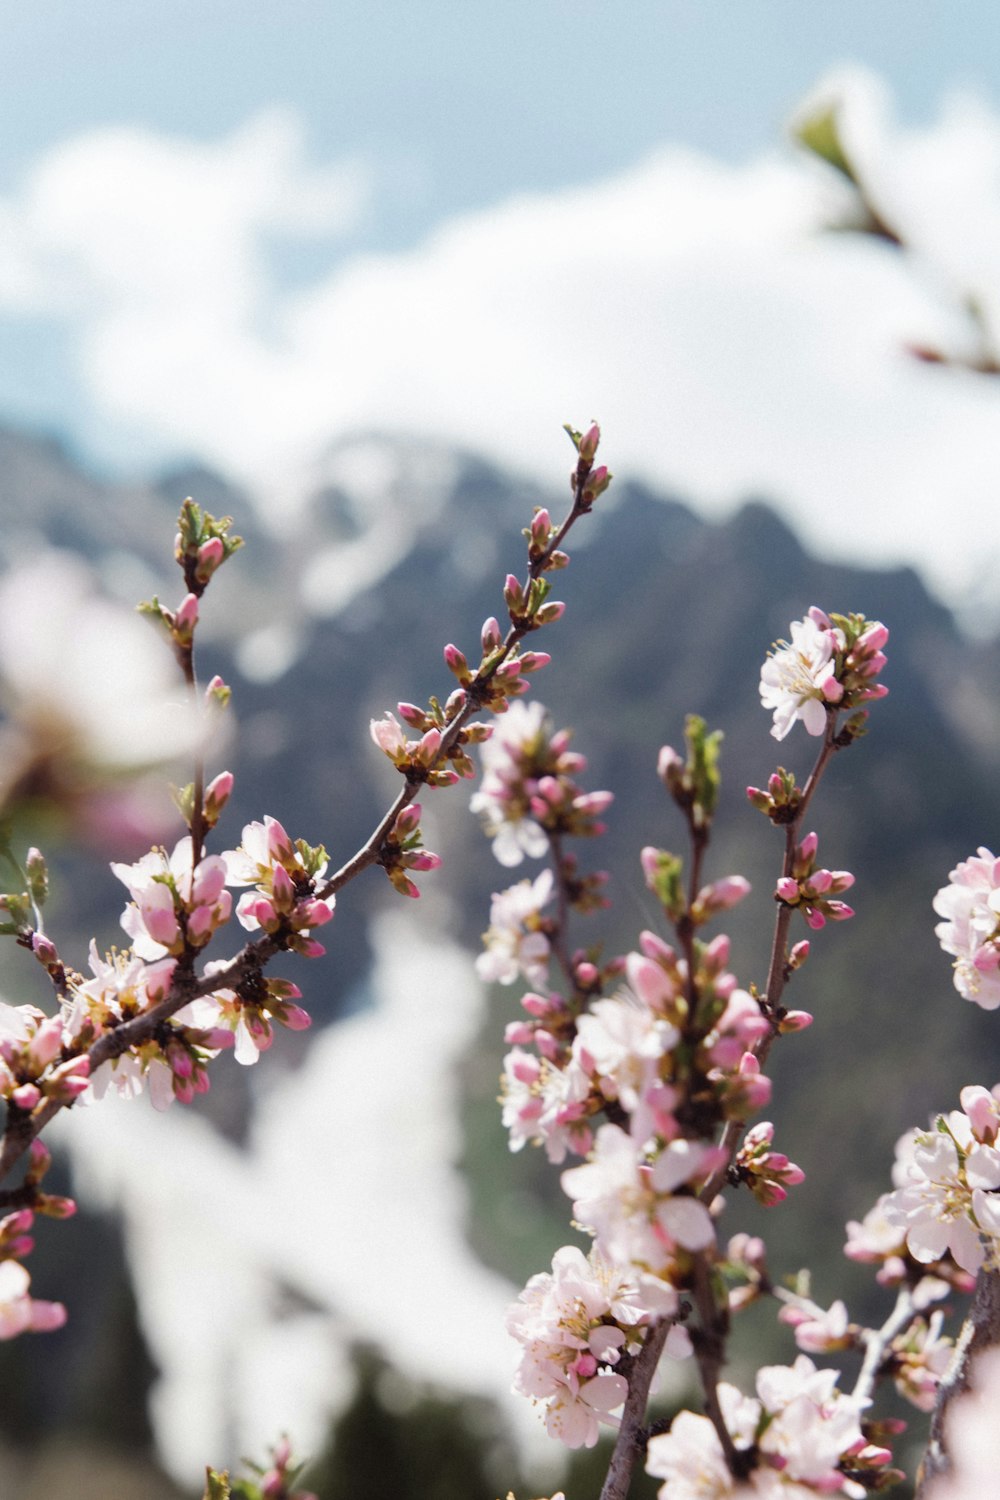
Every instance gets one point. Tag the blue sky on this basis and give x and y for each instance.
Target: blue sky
(457, 103)
(239, 231)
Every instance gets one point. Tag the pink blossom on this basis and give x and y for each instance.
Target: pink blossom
(970, 904)
(631, 1205)
(515, 944)
(19, 1312)
(945, 1203)
(573, 1326)
(796, 680)
(817, 1331)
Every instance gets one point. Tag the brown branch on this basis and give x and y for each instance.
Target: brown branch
(631, 1440)
(777, 975)
(369, 851)
(877, 1341)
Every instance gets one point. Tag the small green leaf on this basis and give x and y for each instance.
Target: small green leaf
(217, 1485)
(820, 134)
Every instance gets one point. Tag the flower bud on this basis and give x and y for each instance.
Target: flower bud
(217, 794)
(490, 637)
(589, 443)
(210, 555)
(186, 619)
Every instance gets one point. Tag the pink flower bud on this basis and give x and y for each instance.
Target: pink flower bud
(587, 975)
(668, 763)
(265, 913)
(219, 790)
(541, 525)
(513, 594)
(39, 1161)
(44, 949)
(423, 860)
(596, 483)
(217, 1038)
(26, 1097)
(46, 1316)
(795, 1020)
(17, 1223)
(455, 662)
(294, 1017)
(55, 1206)
(200, 925)
(69, 1080)
(186, 617)
(159, 920)
(316, 913)
(210, 555)
(279, 845)
(806, 851)
(46, 1044)
(872, 639)
(787, 890)
(549, 613)
(407, 821)
(282, 889)
(491, 638)
(158, 977)
(589, 442)
(181, 1062)
(724, 894)
(429, 747)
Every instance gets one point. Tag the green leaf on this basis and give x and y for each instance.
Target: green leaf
(819, 132)
(217, 1485)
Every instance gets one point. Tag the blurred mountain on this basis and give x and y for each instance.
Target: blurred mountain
(384, 550)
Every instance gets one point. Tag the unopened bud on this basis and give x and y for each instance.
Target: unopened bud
(513, 595)
(186, 619)
(589, 443)
(210, 555)
(217, 794)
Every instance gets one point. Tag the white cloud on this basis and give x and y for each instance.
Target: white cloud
(726, 344)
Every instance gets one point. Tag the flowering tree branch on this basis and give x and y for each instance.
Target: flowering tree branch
(154, 1015)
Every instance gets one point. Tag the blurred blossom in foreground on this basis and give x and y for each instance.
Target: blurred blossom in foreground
(971, 1436)
(92, 700)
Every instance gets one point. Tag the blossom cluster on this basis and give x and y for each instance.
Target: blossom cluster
(528, 792)
(152, 1015)
(829, 665)
(800, 1436)
(970, 906)
(574, 1326)
(650, 1065)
